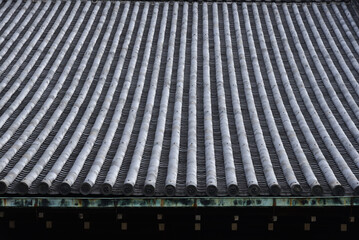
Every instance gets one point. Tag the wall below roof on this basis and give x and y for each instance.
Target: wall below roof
(218, 223)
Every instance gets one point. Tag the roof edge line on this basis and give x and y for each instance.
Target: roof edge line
(168, 202)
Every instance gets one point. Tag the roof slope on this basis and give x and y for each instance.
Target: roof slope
(141, 98)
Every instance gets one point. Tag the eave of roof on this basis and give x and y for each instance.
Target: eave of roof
(186, 202)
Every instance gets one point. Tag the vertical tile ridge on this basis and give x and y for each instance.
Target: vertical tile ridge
(21, 117)
(338, 158)
(35, 171)
(9, 178)
(149, 189)
(318, 155)
(101, 154)
(342, 24)
(88, 107)
(172, 170)
(191, 168)
(56, 168)
(125, 138)
(277, 141)
(297, 148)
(353, 105)
(339, 36)
(350, 18)
(65, 186)
(152, 171)
(20, 28)
(97, 164)
(319, 95)
(9, 14)
(252, 182)
(211, 176)
(268, 170)
(17, 19)
(230, 172)
(15, 49)
(336, 51)
(90, 141)
(15, 67)
(41, 88)
(135, 161)
(5, 8)
(29, 85)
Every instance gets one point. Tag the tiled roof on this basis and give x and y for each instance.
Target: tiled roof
(178, 98)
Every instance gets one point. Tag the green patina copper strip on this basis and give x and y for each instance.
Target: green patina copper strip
(77, 202)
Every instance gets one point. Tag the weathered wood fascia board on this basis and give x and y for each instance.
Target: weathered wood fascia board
(123, 202)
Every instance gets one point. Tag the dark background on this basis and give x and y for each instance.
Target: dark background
(179, 223)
